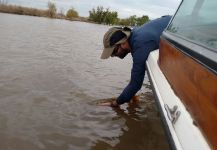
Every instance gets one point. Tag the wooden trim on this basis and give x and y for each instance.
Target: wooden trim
(195, 85)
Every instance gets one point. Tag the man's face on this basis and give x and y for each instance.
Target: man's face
(120, 52)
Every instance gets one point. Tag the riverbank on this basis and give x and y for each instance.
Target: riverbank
(20, 10)
(97, 15)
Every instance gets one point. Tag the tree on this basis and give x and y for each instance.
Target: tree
(142, 20)
(98, 14)
(61, 12)
(110, 18)
(51, 9)
(71, 13)
(124, 22)
(132, 20)
(106, 16)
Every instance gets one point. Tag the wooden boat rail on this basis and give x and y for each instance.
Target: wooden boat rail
(195, 85)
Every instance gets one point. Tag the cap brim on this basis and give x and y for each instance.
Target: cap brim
(107, 52)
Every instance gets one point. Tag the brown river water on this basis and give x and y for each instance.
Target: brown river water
(51, 79)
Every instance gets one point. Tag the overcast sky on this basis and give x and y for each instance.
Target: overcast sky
(125, 8)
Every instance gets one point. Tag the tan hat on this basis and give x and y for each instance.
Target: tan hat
(114, 36)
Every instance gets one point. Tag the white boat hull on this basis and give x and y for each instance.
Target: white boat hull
(181, 132)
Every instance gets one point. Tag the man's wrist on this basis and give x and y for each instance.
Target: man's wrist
(114, 104)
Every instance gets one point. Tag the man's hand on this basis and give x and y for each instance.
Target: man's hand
(111, 104)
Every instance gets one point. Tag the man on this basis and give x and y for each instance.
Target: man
(118, 42)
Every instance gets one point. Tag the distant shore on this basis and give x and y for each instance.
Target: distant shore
(99, 15)
(20, 10)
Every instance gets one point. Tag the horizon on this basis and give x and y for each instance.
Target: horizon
(125, 9)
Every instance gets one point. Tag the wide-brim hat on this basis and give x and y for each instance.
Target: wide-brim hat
(119, 34)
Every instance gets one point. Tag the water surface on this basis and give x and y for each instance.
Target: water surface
(51, 76)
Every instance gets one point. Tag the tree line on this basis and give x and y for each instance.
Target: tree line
(105, 16)
(51, 11)
(99, 14)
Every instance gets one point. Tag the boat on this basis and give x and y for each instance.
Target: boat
(183, 75)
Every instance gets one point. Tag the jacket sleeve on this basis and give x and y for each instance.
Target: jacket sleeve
(137, 73)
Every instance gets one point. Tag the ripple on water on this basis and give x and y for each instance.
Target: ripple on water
(51, 79)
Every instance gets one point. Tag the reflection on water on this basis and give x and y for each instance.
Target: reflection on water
(141, 130)
(50, 78)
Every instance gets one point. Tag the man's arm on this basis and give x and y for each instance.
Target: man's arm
(137, 77)
(137, 73)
